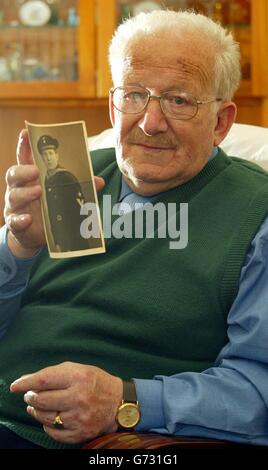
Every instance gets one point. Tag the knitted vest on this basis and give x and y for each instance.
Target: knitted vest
(141, 308)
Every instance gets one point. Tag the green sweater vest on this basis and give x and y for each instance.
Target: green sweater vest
(140, 309)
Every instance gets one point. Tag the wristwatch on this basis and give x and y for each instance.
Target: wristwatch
(128, 414)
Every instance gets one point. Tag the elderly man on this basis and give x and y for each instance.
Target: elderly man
(188, 325)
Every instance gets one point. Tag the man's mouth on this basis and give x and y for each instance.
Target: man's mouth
(153, 148)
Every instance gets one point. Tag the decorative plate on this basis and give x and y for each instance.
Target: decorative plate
(34, 13)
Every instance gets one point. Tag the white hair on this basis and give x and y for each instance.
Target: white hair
(224, 48)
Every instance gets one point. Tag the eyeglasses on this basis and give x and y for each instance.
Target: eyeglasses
(174, 104)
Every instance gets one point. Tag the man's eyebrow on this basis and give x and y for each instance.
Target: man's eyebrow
(174, 87)
(134, 84)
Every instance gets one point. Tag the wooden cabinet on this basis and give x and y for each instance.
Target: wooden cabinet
(247, 19)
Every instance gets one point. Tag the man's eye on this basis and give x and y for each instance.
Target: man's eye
(135, 96)
(177, 100)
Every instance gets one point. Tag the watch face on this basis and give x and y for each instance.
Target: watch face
(128, 415)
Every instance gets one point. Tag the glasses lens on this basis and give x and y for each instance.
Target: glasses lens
(179, 105)
(130, 100)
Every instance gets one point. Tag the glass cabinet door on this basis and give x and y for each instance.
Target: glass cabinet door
(41, 42)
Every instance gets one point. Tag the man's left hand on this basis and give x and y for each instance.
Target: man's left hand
(86, 399)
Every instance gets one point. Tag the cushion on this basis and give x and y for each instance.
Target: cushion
(243, 140)
(102, 141)
(249, 142)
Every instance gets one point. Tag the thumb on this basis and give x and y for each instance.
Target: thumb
(24, 154)
(99, 182)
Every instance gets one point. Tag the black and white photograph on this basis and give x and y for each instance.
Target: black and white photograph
(67, 180)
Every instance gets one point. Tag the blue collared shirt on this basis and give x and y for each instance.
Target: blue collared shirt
(227, 401)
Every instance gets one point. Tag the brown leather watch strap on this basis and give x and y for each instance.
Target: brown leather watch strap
(129, 391)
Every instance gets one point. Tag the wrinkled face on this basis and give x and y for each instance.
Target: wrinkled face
(156, 153)
(50, 158)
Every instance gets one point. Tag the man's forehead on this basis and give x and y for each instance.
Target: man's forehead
(168, 47)
(182, 58)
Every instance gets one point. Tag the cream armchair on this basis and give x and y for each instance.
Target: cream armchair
(249, 142)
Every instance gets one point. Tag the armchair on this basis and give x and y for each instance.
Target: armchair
(138, 440)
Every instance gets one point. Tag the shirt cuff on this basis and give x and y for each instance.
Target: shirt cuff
(149, 395)
(10, 265)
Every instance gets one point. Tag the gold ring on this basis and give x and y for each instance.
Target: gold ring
(58, 423)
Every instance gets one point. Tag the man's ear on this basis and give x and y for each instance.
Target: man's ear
(224, 121)
(111, 109)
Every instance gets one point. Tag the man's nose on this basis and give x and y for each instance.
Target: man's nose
(153, 119)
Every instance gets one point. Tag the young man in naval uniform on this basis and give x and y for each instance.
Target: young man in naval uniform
(64, 198)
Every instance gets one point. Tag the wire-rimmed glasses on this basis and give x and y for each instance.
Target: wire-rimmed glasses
(174, 104)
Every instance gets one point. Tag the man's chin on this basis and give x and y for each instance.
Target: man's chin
(145, 172)
(144, 178)
(150, 177)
